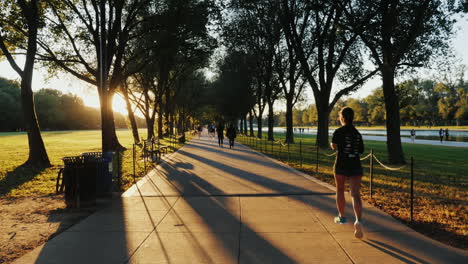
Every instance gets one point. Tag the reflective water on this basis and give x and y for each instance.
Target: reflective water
(454, 135)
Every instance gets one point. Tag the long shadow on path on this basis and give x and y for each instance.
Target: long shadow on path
(220, 218)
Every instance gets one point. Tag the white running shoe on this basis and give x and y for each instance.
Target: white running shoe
(358, 230)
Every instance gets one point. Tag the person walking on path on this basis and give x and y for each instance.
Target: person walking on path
(231, 133)
(441, 135)
(199, 130)
(220, 130)
(446, 134)
(348, 142)
(413, 135)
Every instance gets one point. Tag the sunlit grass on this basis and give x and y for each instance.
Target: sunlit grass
(16, 181)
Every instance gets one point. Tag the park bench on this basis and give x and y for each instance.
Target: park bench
(153, 148)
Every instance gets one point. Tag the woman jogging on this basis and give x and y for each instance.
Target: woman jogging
(348, 142)
(231, 134)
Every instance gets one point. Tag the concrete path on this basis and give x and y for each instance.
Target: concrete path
(216, 205)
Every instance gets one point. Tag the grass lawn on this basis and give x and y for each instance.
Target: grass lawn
(17, 181)
(461, 128)
(440, 182)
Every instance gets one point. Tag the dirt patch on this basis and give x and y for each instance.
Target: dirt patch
(26, 223)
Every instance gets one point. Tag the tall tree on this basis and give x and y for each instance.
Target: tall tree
(291, 81)
(20, 22)
(130, 111)
(180, 45)
(233, 90)
(89, 39)
(262, 32)
(328, 52)
(402, 34)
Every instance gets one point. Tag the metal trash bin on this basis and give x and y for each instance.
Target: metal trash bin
(80, 189)
(100, 165)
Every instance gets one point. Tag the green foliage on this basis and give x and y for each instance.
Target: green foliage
(11, 118)
(55, 110)
(232, 93)
(20, 181)
(422, 102)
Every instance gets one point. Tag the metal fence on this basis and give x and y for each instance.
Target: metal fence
(385, 186)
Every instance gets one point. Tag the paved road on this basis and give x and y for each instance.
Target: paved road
(216, 205)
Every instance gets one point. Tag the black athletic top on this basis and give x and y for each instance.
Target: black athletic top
(350, 145)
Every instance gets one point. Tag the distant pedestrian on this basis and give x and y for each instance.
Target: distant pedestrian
(220, 130)
(199, 130)
(413, 135)
(231, 133)
(441, 135)
(348, 142)
(211, 130)
(446, 134)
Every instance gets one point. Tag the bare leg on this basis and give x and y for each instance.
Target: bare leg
(340, 198)
(355, 187)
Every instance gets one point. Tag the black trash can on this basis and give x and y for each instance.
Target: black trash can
(100, 165)
(80, 187)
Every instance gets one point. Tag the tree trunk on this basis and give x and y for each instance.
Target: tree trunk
(322, 126)
(271, 121)
(131, 117)
(160, 125)
(289, 120)
(110, 141)
(171, 123)
(37, 153)
(259, 126)
(245, 124)
(251, 124)
(150, 127)
(395, 150)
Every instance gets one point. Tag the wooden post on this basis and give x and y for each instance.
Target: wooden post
(412, 190)
(144, 154)
(317, 159)
(134, 170)
(300, 151)
(281, 150)
(371, 168)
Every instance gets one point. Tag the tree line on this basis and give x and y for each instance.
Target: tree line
(332, 48)
(55, 110)
(152, 52)
(422, 103)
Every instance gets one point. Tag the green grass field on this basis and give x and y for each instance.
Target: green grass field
(18, 181)
(440, 181)
(441, 175)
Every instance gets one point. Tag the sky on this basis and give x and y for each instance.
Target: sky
(69, 84)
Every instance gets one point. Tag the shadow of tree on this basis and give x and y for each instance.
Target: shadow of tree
(17, 177)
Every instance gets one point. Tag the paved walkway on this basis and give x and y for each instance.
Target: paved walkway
(216, 205)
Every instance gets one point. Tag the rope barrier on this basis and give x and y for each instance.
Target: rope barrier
(281, 142)
(386, 167)
(331, 155)
(366, 156)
